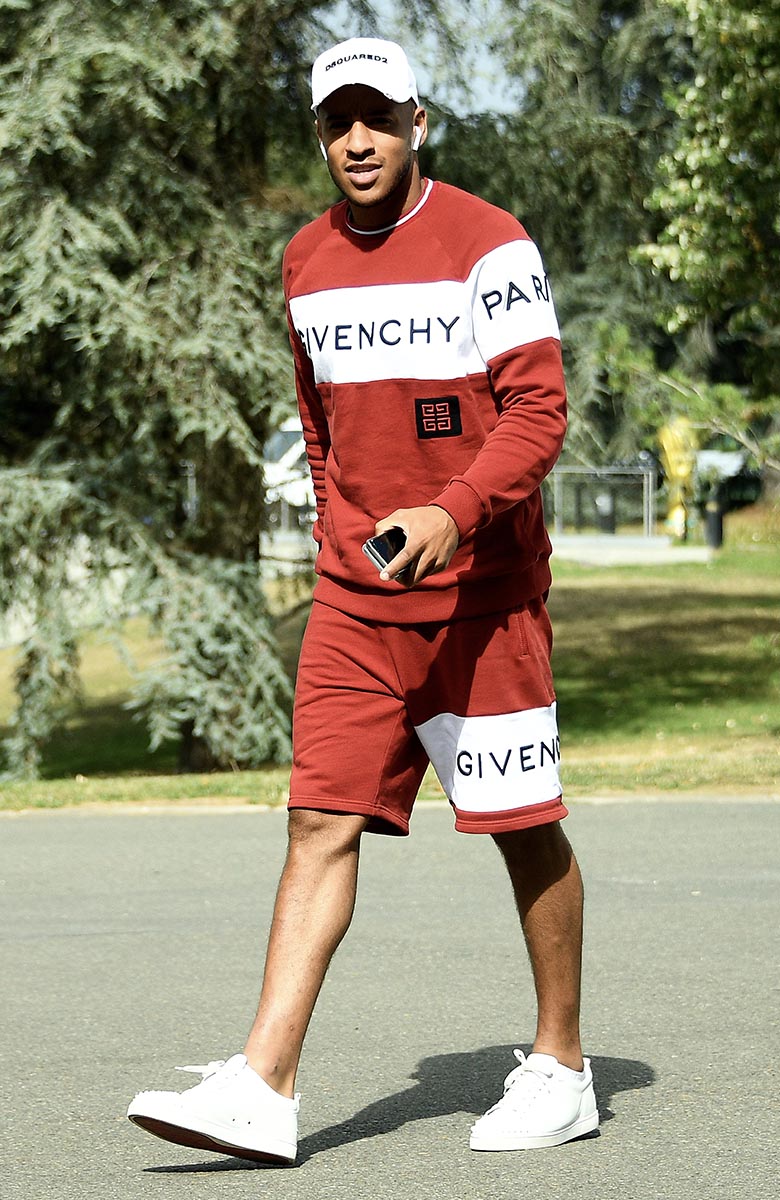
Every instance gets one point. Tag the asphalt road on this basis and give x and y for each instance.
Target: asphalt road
(131, 942)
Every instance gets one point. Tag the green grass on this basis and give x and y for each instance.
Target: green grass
(98, 734)
(241, 787)
(668, 680)
(675, 672)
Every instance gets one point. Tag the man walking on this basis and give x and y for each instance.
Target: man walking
(430, 386)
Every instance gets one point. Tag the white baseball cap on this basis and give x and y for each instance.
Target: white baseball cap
(371, 61)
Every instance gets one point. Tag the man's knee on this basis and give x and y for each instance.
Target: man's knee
(324, 832)
(535, 845)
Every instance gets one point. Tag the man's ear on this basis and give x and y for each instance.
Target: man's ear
(320, 142)
(420, 130)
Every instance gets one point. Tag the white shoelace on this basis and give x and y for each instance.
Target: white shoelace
(209, 1069)
(522, 1085)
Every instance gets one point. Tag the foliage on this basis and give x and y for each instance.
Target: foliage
(141, 332)
(137, 333)
(692, 656)
(604, 90)
(575, 162)
(155, 157)
(647, 397)
(69, 558)
(726, 412)
(720, 182)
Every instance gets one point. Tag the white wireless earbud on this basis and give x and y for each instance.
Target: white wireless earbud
(323, 151)
(416, 138)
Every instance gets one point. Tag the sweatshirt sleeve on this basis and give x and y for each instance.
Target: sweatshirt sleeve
(315, 426)
(516, 332)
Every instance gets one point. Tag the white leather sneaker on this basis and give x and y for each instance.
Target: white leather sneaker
(231, 1111)
(544, 1104)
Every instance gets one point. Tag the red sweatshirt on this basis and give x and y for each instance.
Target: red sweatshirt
(428, 371)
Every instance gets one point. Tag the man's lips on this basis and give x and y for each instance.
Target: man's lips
(363, 173)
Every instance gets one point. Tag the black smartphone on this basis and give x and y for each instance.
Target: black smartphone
(383, 548)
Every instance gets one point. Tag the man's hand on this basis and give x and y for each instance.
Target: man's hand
(431, 540)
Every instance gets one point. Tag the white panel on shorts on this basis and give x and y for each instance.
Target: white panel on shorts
(492, 764)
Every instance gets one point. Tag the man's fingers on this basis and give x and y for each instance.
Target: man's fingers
(403, 558)
(431, 541)
(409, 568)
(397, 565)
(396, 520)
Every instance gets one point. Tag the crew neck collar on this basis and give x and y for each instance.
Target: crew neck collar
(395, 224)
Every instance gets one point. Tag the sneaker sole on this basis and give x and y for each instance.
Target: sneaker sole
(199, 1140)
(580, 1129)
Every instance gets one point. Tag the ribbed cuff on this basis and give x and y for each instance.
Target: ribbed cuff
(463, 504)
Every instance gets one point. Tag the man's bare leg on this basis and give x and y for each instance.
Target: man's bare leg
(314, 906)
(548, 892)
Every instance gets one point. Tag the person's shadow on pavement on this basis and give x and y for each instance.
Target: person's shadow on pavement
(467, 1082)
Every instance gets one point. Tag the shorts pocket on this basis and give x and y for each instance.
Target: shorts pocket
(517, 624)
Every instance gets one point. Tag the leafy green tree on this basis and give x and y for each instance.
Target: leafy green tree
(719, 194)
(720, 243)
(575, 162)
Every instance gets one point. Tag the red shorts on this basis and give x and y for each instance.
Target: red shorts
(375, 703)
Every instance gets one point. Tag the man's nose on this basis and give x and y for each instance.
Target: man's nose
(360, 141)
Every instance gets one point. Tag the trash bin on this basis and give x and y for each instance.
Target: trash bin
(605, 511)
(713, 523)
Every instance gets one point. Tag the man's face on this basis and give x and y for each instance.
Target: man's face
(368, 140)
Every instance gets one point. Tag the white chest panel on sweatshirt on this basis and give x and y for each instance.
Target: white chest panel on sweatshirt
(445, 329)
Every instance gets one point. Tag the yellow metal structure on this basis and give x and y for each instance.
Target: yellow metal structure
(679, 443)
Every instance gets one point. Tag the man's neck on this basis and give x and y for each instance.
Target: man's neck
(403, 200)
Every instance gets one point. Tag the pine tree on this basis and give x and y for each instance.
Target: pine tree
(141, 330)
(155, 157)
